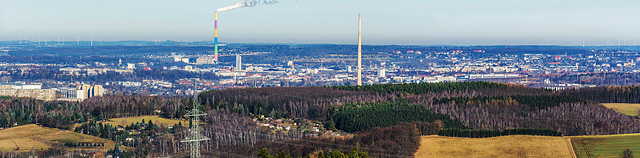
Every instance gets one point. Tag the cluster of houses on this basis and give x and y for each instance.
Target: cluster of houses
(291, 124)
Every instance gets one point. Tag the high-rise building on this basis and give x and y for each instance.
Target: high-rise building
(381, 73)
(71, 93)
(97, 91)
(86, 88)
(91, 91)
(238, 62)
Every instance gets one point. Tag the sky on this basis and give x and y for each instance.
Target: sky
(402, 22)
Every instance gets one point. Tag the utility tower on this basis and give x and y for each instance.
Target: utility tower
(195, 137)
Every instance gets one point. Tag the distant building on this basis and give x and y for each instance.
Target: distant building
(71, 94)
(91, 91)
(481, 76)
(117, 153)
(27, 91)
(86, 88)
(19, 86)
(204, 60)
(130, 84)
(381, 73)
(131, 66)
(238, 62)
(97, 91)
(231, 74)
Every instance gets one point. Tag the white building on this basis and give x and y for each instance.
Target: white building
(71, 93)
(381, 73)
(238, 62)
(25, 90)
(131, 66)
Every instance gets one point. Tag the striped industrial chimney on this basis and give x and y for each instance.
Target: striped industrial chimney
(215, 37)
(359, 50)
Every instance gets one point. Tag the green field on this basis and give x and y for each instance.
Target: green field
(625, 108)
(504, 146)
(26, 137)
(155, 119)
(606, 146)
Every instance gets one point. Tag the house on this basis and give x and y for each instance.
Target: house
(133, 131)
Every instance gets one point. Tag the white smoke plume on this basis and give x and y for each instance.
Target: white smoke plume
(252, 3)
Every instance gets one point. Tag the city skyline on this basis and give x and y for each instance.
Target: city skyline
(460, 22)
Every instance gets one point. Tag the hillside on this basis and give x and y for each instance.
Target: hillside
(476, 105)
(504, 146)
(625, 108)
(605, 146)
(156, 120)
(27, 137)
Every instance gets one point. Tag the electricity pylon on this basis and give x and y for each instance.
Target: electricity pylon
(195, 137)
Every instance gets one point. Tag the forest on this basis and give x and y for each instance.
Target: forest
(599, 79)
(381, 120)
(357, 117)
(608, 94)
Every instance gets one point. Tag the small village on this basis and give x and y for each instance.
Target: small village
(312, 128)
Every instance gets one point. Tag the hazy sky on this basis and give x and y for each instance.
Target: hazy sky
(422, 22)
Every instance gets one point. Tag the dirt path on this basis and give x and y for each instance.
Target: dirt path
(573, 152)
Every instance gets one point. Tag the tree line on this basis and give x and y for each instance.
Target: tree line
(484, 133)
(535, 101)
(608, 94)
(417, 88)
